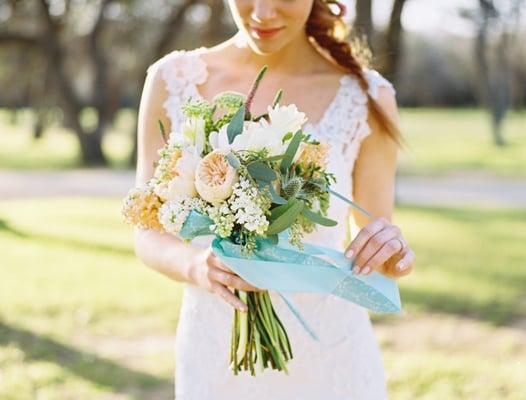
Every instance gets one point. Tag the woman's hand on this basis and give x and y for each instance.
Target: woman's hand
(379, 246)
(211, 274)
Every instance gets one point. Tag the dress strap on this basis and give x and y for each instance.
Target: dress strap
(181, 71)
(377, 81)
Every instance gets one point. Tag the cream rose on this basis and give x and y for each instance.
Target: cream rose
(214, 177)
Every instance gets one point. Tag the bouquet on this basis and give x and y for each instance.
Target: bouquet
(249, 180)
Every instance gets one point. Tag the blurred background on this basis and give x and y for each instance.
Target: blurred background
(81, 318)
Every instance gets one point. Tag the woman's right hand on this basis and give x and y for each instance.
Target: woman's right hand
(211, 274)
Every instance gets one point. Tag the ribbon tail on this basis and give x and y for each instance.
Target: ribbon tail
(298, 316)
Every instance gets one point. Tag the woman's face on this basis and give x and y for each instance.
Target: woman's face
(269, 25)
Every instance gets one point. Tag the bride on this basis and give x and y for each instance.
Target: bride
(354, 110)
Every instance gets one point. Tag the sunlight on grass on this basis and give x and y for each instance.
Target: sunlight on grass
(448, 140)
(59, 148)
(82, 317)
(439, 141)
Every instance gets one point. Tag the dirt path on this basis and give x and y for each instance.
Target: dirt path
(454, 190)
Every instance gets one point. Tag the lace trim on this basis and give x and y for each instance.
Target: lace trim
(181, 71)
(343, 124)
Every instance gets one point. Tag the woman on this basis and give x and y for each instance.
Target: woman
(355, 111)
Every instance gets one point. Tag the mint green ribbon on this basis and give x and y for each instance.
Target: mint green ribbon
(284, 269)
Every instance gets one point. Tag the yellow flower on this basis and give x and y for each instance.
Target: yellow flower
(214, 177)
(166, 169)
(141, 208)
(315, 154)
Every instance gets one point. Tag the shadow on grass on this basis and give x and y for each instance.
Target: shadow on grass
(99, 370)
(497, 313)
(61, 241)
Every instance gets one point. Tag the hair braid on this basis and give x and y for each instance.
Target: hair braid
(330, 32)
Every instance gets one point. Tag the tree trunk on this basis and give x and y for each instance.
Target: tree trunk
(392, 48)
(91, 149)
(363, 22)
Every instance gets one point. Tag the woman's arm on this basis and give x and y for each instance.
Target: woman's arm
(378, 245)
(163, 252)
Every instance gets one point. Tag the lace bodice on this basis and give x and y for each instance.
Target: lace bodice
(346, 362)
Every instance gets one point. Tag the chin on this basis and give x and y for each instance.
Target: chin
(266, 46)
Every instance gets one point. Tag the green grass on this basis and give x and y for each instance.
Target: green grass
(442, 141)
(439, 141)
(81, 318)
(58, 148)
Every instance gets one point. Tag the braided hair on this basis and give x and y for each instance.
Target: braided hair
(329, 31)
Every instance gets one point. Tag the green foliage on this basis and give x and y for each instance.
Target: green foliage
(230, 101)
(235, 126)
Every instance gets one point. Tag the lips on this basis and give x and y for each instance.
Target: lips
(265, 32)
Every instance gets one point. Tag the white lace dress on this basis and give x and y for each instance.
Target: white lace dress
(345, 362)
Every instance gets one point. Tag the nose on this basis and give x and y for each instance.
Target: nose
(263, 11)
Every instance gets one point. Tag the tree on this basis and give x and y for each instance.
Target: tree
(73, 56)
(496, 24)
(386, 44)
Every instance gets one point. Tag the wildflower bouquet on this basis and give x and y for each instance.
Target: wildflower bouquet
(246, 179)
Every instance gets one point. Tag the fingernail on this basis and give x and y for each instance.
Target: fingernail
(349, 254)
(356, 270)
(365, 270)
(400, 266)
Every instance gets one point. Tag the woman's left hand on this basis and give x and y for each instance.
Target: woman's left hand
(379, 246)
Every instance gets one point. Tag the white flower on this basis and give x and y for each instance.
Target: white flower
(192, 133)
(262, 134)
(173, 213)
(285, 118)
(219, 140)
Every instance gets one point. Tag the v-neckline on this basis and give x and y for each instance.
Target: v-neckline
(313, 125)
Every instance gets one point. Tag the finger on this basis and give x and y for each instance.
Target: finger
(231, 280)
(216, 262)
(374, 244)
(228, 296)
(388, 250)
(364, 235)
(401, 266)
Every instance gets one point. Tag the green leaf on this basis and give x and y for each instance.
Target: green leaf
(163, 131)
(292, 148)
(261, 171)
(285, 220)
(318, 219)
(233, 160)
(267, 159)
(287, 136)
(277, 98)
(235, 126)
(277, 212)
(276, 198)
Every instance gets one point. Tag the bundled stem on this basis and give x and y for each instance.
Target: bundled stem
(258, 337)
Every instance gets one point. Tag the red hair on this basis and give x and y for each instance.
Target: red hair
(330, 32)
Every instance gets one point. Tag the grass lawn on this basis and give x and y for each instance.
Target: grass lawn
(439, 141)
(82, 319)
(448, 140)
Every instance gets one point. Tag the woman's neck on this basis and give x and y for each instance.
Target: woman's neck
(298, 56)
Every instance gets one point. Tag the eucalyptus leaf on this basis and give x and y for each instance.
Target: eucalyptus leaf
(261, 171)
(292, 148)
(235, 126)
(233, 160)
(286, 219)
(318, 219)
(276, 198)
(277, 212)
